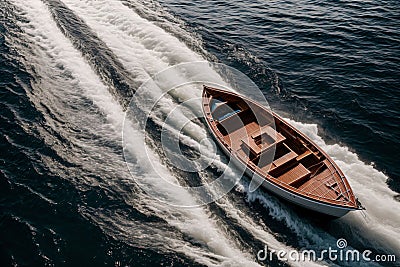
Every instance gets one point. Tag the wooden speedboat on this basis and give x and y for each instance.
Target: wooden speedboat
(275, 154)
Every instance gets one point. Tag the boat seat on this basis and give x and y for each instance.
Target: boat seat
(278, 165)
(287, 158)
(304, 155)
(295, 175)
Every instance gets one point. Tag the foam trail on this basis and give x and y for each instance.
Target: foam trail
(64, 90)
(257, 229)
(154, 12)
(194, 222)
(138, 43)
(142, 47)
(369, 185)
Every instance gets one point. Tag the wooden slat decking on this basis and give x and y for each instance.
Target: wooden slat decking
(295, 175)
(318, 185)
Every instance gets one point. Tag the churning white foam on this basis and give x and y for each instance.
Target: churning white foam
(195, 222)
(142, 47)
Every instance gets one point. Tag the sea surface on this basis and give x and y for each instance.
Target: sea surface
(69, 68)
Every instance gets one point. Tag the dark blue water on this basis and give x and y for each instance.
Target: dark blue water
(69, 68)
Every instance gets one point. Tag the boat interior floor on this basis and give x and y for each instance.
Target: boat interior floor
(272, 151)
